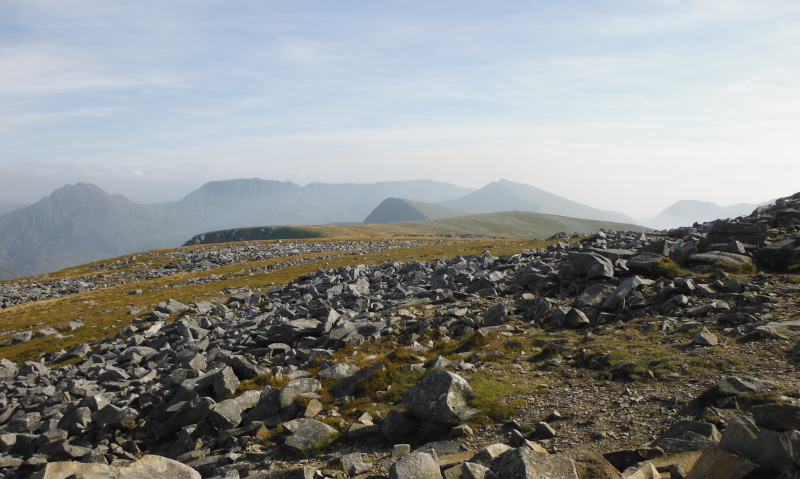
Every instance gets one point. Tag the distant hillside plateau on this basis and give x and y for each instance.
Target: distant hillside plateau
(513, 224)
(688, 212)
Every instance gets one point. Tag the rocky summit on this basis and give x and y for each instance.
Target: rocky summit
(620, 354)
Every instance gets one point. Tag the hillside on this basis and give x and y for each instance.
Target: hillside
(687, 212)
(515, 224)
(398, 209)
(505, 195)
(327, 358)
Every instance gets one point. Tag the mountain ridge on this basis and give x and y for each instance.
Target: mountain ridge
(504, 195)
(688, 212)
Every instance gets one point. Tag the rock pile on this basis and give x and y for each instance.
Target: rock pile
(180, 386)
(184, 261)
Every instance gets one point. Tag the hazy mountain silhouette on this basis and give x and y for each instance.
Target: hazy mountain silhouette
(82, 223)
(255, 202)
(506, 195)
(79, 224)
(399, 209)
(688, 212)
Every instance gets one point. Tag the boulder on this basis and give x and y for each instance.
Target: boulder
(419, 465)
(496, 315)
(594, 295)
(717, 463)
(295, 388)
(441, 396)
(524, 463)
(398, 426)
(353, 465)
(225, 382)
(145, 468)
(718, 257)
(311, 435)
(590, 265)
(338, 371)
(778, 417)
(348, 386)
(226, 414)
(780, 255)
(645, 263)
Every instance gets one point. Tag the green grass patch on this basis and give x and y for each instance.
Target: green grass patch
(670, 269)
(492, 399)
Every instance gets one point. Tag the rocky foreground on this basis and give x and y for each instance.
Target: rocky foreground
(621, 355)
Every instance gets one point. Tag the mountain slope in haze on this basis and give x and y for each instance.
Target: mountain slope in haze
(256, 202)
(400, 209)
(687, 212)
(7, 206)
(79, 224)
(82, 223)
(8, 274)
(506, 195)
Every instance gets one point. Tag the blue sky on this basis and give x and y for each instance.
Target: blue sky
(624, 105)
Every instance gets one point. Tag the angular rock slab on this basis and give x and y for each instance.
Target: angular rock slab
(523, 463)
(441, 396)
(716, 463)
(419, 465)
(311, 434)
(146, 467)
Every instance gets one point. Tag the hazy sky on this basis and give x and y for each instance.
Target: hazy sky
(623, 105)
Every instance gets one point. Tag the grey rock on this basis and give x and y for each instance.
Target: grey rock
(714, 257)
(146, 467)
(21, 337)
(353, 464)
(594, 295)
(311, 435)
(348, 386)
(590, 265)
(704, 337)
(496, 315)
(398, 426)
(645, 263)
(441, 396)
(295, 388)
(267, 406)
(418, 465)
(226, 414)
(225, 382)
(338, 371)
(523, 463)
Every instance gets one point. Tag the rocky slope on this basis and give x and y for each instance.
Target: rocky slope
(621, 351)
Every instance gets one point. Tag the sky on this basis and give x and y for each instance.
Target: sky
(623, 105)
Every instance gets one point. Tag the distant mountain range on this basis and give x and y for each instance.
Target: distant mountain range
(688, 212)
(82, 223)
(506, 195)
